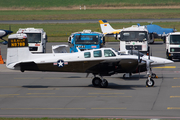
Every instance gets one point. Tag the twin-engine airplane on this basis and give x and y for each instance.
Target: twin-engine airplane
(4, 33)
(99, 62)
(107, 29)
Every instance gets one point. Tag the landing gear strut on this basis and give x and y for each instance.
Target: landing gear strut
(98, 82)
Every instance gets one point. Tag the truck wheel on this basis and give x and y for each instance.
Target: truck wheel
(168, 57)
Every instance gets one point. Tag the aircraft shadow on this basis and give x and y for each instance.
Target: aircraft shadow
(110, 86)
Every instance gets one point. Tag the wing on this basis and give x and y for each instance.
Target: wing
(110, 67)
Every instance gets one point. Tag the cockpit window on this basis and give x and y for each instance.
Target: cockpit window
(116, 51)
(109, 53)
(87, 55)
(97, 53)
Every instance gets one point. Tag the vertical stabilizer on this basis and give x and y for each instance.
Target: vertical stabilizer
(105, 27)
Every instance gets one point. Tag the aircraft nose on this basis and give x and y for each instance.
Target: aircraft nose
(162, 61)
(168, 61)
(8, 32)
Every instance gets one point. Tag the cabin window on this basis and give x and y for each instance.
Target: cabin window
(109, 53)
(97, 53)
(87, 54)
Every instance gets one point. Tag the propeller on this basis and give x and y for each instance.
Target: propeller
(116, 36)
(174, 29)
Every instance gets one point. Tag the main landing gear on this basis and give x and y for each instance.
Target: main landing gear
(98, 82)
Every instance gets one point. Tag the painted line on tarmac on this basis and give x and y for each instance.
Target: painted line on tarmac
(27, 78)
(115, 96)
(173, 108)
(68, 96)
(62, 108)
(105, 93)
(42, 108)
(176, 86)
(43, 88)
(38, 93)
(7, 94)
(10, 86)
(174, 96)
(58, 96)
(107, 108)
(166, 67)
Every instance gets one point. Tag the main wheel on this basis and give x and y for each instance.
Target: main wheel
(96, 81)
(150, 83)
(104, 83)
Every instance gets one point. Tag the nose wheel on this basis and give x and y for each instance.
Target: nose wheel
(150, 82)
(98, 82)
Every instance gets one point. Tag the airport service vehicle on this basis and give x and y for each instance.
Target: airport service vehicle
(85, 40)
(173, 45)
(37, 39)
(134, 38)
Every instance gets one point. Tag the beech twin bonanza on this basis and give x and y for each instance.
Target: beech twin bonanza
(99, 62)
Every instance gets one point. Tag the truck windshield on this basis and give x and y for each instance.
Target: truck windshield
(133, 36)
(86, 39)
(175, 39)
(34, 37)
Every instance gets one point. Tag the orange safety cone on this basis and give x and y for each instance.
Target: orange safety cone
(1, 60)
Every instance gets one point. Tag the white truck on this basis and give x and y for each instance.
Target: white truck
(37, 39)
(173, 45)
(134, 38)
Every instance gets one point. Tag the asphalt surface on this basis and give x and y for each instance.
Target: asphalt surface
(86, 21)
(51, 94)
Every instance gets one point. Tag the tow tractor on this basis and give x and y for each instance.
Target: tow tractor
(85, 40)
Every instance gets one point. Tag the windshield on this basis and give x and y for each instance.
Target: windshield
(86, 39)
(133, 35)
(135, 52)
(175, 39)
(34, 37)
(116, 51)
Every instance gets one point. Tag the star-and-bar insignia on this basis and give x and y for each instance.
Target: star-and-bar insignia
(60, 63)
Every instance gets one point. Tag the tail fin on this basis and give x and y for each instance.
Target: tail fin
(17, 50)
(106, 27)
